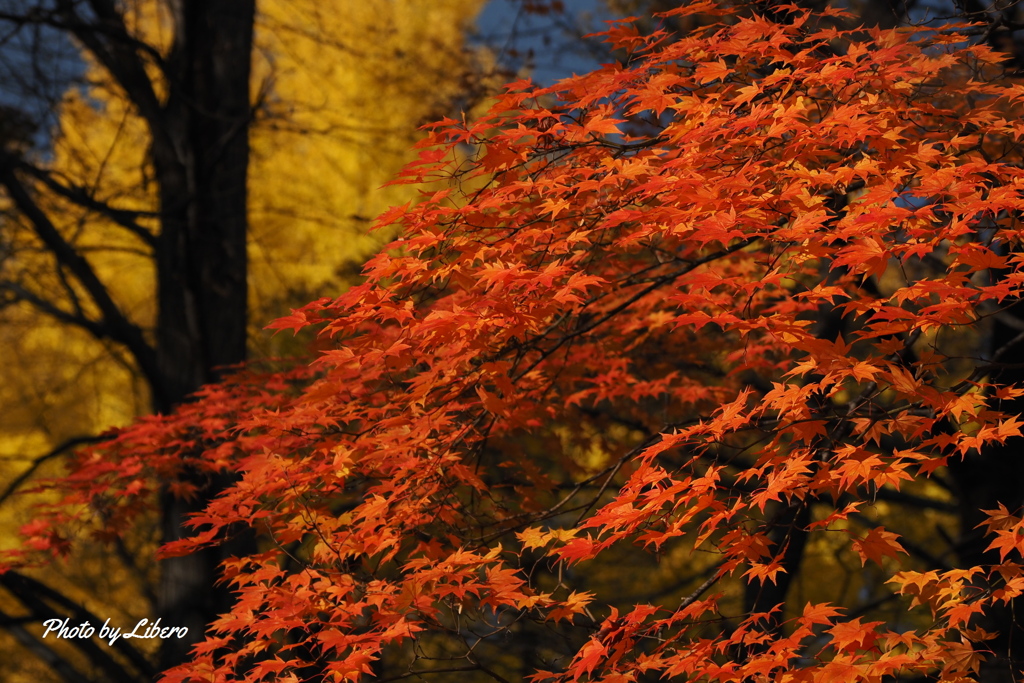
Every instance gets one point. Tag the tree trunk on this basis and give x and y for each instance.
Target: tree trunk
(201, 169)
(201, 166)
(983, 481)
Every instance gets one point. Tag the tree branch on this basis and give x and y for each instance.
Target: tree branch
(39, 17)
(20, 293)
(32, 594)
(119, 57)
(115, 325)
(80, 196)
(62, 448)
(53, 660)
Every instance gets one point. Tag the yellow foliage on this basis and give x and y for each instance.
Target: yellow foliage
(338, 124)
(342, 87)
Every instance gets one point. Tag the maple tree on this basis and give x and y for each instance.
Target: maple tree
(731, 298)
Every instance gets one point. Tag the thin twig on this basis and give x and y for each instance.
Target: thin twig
(67, 445)
(708, 583)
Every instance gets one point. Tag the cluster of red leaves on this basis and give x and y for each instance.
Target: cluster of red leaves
(654, 244)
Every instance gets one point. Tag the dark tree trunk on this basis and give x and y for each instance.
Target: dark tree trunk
(201, 166)
(983, 481)
(201, 169)
(788, 533)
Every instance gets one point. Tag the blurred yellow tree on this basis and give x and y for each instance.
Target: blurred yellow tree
(339, 90)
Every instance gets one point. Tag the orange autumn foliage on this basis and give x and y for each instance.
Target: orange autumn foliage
(659, 245)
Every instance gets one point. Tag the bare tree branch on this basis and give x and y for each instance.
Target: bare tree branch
(20, 293)
(119, 55)
(38, 461)
(81, 196)
(33, 594)
(37, 16)
(115, 325)
(53, 660)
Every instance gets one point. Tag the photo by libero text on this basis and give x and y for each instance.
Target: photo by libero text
(61, 628)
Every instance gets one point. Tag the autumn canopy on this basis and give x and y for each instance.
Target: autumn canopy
(672, 338)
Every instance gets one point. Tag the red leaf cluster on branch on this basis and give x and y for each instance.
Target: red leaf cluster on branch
(740, 266)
